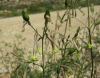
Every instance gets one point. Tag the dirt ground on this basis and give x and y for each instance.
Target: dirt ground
(12, 26)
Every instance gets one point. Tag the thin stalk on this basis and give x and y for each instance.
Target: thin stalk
(89, 30)
(35, 30)
(43, 50)
(80, 22)
(44, 33)
(64, 37)
(43, 58)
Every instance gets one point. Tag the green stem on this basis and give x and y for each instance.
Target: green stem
(92, 61)
(43, 58)
(89, 30)
(43, 50)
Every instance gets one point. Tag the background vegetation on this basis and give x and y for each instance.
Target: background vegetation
(9, 11)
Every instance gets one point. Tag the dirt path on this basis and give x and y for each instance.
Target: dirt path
(12, 26)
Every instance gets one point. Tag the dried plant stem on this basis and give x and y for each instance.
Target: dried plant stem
(5, 64)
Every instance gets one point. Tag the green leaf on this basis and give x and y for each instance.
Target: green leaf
(77, 31)
(69, 73)
(38, 50)
(78, 54)
(97, 23)
(84, 14)
(71, 51)
(33, 58)
(54, 51)
(13, 74)
(89, 46)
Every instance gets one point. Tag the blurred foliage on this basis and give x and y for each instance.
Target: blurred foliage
(40, 7)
